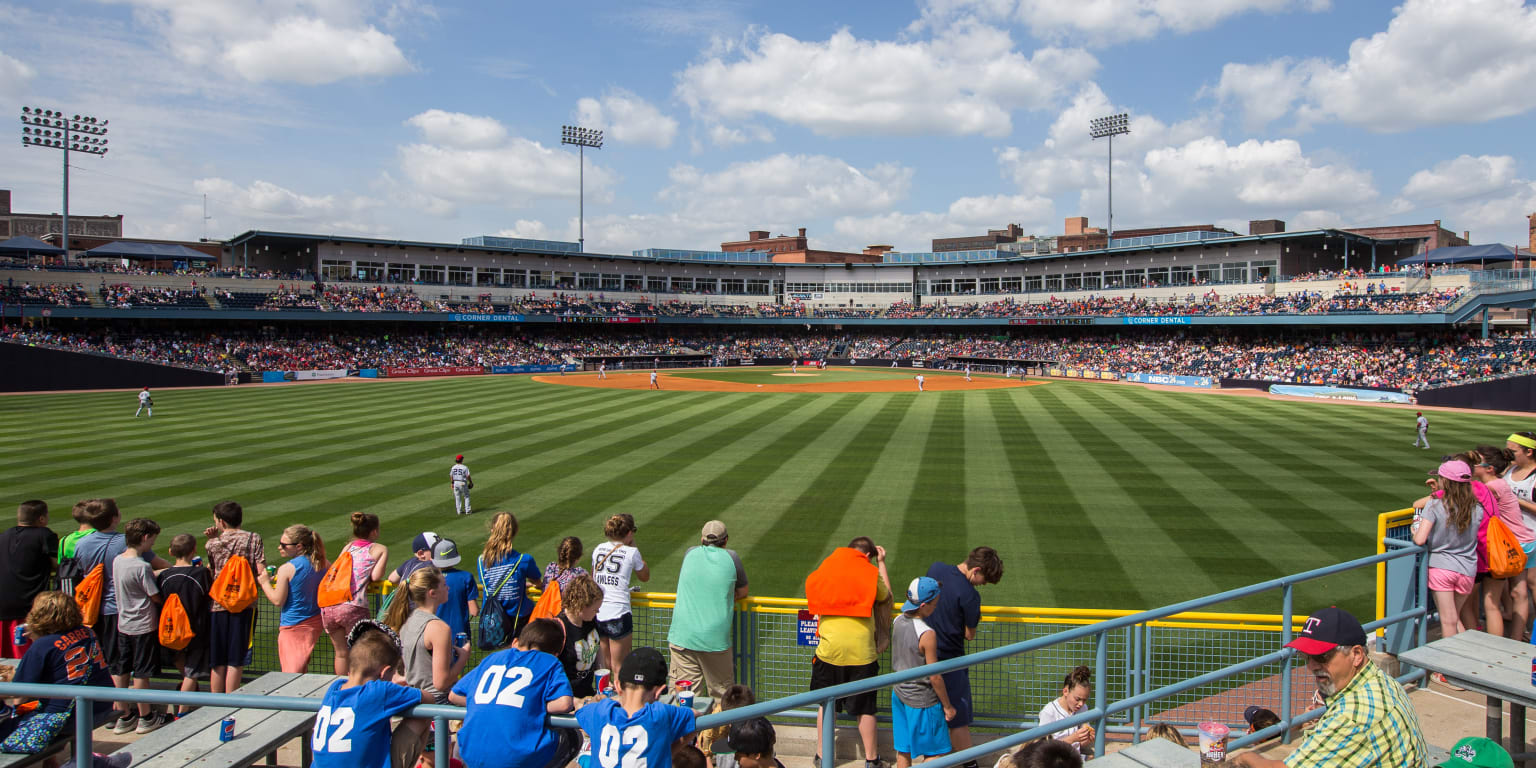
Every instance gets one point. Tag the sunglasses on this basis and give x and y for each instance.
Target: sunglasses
(1322, 658)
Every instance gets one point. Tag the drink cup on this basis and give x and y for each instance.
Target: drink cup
(603, 682)
(1213, 742)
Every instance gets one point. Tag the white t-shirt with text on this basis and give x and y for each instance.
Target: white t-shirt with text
(613, 565)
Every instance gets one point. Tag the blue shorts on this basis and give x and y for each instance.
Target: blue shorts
(958, 685)
(918, 732)
(617, 629)
(1530, 555)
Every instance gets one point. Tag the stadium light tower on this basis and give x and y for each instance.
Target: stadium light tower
(50, 129)
(1108, 128)
(582, 138)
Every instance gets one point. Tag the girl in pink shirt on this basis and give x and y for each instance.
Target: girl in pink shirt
(1492, 461)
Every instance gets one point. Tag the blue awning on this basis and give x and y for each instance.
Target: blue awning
(125, 250)
(28, 245)
(1463, 254)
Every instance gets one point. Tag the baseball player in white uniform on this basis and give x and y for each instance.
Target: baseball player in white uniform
(602, 371)
(654, 385)
(1423, 427)
(794, 366)
(462, 483)
(146, 403)
(967, 371)
(919, 382)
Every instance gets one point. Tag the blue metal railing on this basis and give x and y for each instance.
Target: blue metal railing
(1098, 714)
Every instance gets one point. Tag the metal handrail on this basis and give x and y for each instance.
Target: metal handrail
(827, 697)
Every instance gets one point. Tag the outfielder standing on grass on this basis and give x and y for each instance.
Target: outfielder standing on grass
(146, 403)
(462, 483)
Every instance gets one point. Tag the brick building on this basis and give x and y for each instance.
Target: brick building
(795, 249)
(40, 225)
(992, 239)
(1430, 236)
(1078, 236)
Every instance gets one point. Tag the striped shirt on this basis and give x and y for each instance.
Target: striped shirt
(1369, 723)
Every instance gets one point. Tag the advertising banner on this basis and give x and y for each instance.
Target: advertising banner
(475, 317)
(1170, 379)
(1340, 393)
(530, 368)
(1051, 321)
(805, 628)
(273, 377)
(434, 370)
(339, 373)
(620, 320)
(368, 373)
(1168, 320)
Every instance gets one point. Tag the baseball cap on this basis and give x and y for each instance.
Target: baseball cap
(424, 540)
(714, 532)
(445, 553)
(644, 666)
(1253, 714)
(1478, 752)
(921, 591)
(459, 457)
(1328, 629)
(1454, 470)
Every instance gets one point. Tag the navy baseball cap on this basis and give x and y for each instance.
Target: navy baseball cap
(1328, 629)
(424, 540)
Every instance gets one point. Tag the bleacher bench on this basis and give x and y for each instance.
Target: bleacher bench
(259, 733)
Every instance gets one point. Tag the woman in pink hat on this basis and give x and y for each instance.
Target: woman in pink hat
(1447, 520)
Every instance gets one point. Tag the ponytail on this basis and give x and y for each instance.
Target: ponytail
(422, 581)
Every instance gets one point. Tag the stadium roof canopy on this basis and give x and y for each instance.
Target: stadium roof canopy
(28, 246)
(125, 250)
(1463, 254)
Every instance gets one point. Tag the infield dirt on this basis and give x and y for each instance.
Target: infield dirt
(931, 383)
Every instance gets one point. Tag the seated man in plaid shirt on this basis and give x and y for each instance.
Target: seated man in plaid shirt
(1368, 721)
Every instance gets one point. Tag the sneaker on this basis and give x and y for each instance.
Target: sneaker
(876, 763)
(125, 723)
(151, 723)
(1440, 678)
(115, 760)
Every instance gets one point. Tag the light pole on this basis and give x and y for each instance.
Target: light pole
(50, 129)
(1109, 128)
(582, 138)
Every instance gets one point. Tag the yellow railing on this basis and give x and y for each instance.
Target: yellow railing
(1384, 521)
(1011, 615)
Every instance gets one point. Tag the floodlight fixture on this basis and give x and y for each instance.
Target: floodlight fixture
(50, 129)
(581, 138)
(1108, 128)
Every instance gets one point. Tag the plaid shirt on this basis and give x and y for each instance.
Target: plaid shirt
(1369, 723)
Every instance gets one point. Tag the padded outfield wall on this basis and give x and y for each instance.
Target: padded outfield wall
(26, 368)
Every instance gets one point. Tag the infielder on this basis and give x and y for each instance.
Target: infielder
(967, 371)
(602, 371)
(654, 385)
(794, 366)
(919, 382)
(146, 403)
(462, 483)
(1423, 425)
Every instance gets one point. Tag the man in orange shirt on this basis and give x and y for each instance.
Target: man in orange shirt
(843, 592)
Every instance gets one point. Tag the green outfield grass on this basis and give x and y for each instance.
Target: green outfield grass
(1097, 495)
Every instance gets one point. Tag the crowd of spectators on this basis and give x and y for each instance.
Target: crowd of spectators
(124, 296)
(50, 294)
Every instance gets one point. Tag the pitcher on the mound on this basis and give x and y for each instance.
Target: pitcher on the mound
(462, 483)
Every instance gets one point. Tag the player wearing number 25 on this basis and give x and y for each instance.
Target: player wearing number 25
(352, 726)
(508, 697)
(633, 730)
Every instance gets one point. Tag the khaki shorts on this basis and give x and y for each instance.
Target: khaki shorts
(715, 669)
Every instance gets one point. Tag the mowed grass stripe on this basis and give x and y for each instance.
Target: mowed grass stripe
(995, 493)
(936, 511)
(1322, 530)
(1224, 556)
(806, 523)
(1057, 521)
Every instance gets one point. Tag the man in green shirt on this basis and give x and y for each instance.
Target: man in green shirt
(708, 586)
(1368, 720)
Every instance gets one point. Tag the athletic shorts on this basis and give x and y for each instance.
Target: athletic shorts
(229, 638)
(106, 637)
(192, 661)
(617, 629)
(8, 648)
(958, 685)
(339, 619)
(824, 675)
(138, 656)
(1442, 580)
(1530, 554)
(919, 732)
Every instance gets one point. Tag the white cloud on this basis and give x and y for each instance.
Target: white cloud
(784, 189)
(459, 162)
(1461, 178)
(1255, 176)
(528, 228)
(310, 43)
(1437, 62)
(15, 75)
(456, 129)
(1105, 21)
(1264, 92)
(627, 118)
(968, 215)
(264, 204)
(966, 80)
(1484, 194)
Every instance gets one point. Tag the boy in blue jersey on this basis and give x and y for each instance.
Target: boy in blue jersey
(633, 728)
(352, 726)
(509, 696)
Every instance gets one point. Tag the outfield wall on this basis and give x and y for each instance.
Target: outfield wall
(1517, 393)
(39, 369)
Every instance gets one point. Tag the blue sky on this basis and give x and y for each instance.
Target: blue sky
(864, 122)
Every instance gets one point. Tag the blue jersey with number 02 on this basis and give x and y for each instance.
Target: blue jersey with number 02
(643, 740)
(506, 698)
(352, 726)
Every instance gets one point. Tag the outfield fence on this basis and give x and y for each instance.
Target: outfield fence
(1155, 663)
